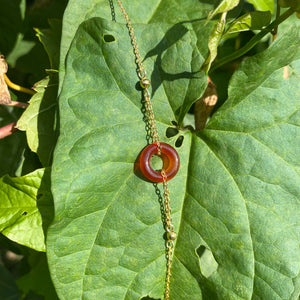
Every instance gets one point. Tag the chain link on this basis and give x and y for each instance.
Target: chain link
(169, 228)
(141, 72)
(151, 120)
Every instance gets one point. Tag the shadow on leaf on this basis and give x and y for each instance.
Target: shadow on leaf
(173, 35)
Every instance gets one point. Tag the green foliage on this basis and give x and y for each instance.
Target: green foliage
(39, 119)
(223, 7)
(214, 41)
(235, 200)
(50, 38)
(254, 20)
(24, 200)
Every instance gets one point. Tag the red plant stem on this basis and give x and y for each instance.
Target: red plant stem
(18, 104)
(7, 130)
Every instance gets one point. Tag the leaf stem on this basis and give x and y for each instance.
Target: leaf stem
(18, 104)
(205, 105)
(18, 87)
(254, 40)
(7, 130)
(276, 27)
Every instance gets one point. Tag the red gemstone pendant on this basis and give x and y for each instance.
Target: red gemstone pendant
(169, 157)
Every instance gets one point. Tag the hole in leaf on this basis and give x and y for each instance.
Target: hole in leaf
(38, 196)
(174, 123)
(208, 264)
(156, 162)
(24, 213)
(149, 298)
(171, 131)
(179, 141)
(108, 38)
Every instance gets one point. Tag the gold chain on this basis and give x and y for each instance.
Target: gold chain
(145, 83)
(171, 235)
(151, 120)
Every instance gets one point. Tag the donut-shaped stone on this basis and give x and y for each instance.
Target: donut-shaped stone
(169, 157)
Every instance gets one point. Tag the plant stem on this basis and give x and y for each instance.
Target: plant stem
(276, 27)
(18, 104)
(18, 87)
(7, 130)
(205, 105)
(254, 40)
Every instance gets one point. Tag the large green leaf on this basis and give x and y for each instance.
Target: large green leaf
(112, 118)
(251, 146)
(235, 201)
(26, 208)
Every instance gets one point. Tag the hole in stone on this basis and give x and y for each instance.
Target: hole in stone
(179, 141)
(171, 131)
(108, 38)
(208, 264)
(156, 162)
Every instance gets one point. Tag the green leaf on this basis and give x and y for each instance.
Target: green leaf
(160, 50)
(254, 40)
(26, 208)
(213, 42)
(38, 279)
(224, 6)
(38, 120)
(28, 163)
(235, 200)
(28, 55)
(50, 38)
(152, 11)
(253, 139)
(263, 5)
(8, 287)
(286, 25)
(20, 50)
(254, 20)
(107, 112)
